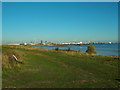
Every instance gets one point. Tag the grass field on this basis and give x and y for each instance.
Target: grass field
(58, 69)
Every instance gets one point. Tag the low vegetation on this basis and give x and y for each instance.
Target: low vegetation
(57, 49)
(91, 50)
(8, 61)
(58, 69)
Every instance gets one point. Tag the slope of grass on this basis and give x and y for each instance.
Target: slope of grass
(7, 57)
(56, 69)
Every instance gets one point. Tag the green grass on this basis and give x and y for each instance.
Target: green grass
(56, 69)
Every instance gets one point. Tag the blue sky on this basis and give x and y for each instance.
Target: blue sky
(60, 0)
(60, 21)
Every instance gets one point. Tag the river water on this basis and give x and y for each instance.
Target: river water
(101, 49)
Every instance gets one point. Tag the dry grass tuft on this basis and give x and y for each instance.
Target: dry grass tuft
(7, 58)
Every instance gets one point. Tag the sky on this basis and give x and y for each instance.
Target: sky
(59, 21)
(60, 0)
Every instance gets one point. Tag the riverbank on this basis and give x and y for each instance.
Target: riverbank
(101, 49)
(43, 68)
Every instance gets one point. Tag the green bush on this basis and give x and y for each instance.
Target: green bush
(91, 50)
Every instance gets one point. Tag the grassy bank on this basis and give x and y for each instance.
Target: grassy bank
(42, 68)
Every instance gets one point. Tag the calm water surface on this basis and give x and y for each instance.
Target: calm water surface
(101, 49)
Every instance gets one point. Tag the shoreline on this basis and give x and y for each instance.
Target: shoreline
(63, 50)
(71, 50)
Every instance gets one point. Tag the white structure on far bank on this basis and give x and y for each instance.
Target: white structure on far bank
(110, 42)
(80, 42)
(25, 43)
(14, 44)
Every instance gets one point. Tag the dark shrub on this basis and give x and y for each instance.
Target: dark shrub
(57, 49)
(68, 49)
(91, 49)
